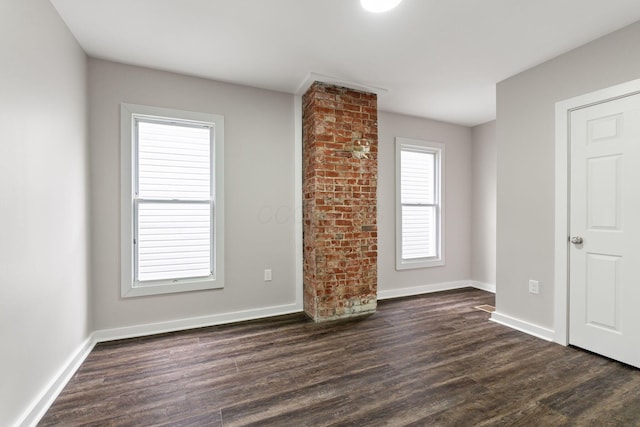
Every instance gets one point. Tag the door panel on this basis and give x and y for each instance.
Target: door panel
(604, 128)
(603, 289)
(604, 283)
(603, 183)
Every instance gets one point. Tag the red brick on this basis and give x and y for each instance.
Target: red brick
(340, 259)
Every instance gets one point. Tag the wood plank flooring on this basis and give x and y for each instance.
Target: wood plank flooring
(432, 360)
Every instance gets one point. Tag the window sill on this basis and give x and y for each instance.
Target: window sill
(410, 265)
(159, 288)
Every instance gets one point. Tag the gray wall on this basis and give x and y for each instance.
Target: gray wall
(259, 200)
(457, 140)
(43, 201)
(259, 149)
(483, 203)
(526, 182)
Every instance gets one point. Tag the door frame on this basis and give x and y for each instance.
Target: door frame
(562, 200)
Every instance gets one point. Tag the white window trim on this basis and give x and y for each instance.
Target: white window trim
(128, 288)
(438, 149)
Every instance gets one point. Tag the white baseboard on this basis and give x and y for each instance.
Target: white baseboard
(422, 289)
(489, 287)
(194, 322)
(523, 326)
(59, 381)
(434, 287)
(46, 398)
(42, 403)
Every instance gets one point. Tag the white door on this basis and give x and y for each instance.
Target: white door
(604, 287)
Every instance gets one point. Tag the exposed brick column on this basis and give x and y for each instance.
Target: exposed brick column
(340, 169)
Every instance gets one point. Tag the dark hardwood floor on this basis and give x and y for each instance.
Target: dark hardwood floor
(424, 361)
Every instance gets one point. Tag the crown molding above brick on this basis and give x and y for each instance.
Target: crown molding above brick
(317, 77)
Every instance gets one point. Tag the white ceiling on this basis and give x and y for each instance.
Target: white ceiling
(436, 58)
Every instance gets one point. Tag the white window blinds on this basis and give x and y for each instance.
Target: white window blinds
(173, 201)
(418, 204)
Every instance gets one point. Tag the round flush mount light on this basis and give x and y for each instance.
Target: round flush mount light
(377, 6)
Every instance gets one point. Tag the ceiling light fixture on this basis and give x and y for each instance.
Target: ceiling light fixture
(377, 6)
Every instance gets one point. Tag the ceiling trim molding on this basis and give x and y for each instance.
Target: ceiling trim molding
(317, 77)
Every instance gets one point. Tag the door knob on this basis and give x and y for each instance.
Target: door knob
(576, 240)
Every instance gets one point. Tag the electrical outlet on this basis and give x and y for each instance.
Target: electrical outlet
(534, 287)
(267, 275)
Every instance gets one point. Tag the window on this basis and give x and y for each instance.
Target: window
(419, 209)
(172, 201)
